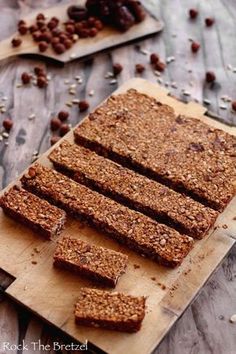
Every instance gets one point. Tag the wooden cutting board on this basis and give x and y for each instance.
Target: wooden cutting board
(105, 39)
(51, 293)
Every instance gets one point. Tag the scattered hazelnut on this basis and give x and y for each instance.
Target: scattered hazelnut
(39, 71)
(234, 105)
(55, 124)
(25, 78)
(43, 46)
(195, 46)
(37, 36)
(154, 58)
(59, 48)
(64, 129)
(7, 124)
(193, 13)
(99, 25)
(54, 139)
(16, 42)
(117, 69)
(68, 43)
(209, 21)
(160, 66)
(210, 76)
(63, 115)
(70, 29)
(83, 106)
(140, 68)
(41, 81)
(23, 29)
(93, 32)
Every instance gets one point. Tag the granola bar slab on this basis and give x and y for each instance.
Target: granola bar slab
(184, 153)
(133, 189)
(139, 232)
(114, 311)
(34, 212)
(96, 263)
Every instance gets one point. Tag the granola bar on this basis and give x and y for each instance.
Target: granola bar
(144, 235)
(184, 153)
(114, 311)
(96, 263)
(32, 211)
(133, 189)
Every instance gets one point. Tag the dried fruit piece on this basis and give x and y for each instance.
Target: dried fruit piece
(42, 81)
(83, 106)
(117, 69)
(64, 129)
(43, 46)
(160, 66)
(209, 21)
(154, 58)
(195, 46)
(25, 78)
(210, 76)
(55, 124)
(54, 139)
(7, 124)
(193, 13)
(63, 115)
(140, 68)
(16, 42)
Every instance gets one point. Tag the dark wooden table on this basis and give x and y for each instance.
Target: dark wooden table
(204, 328)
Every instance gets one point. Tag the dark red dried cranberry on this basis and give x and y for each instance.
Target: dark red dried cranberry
(23, 29)
(99, 25)
(154, 58)
(209, 21)
(7, 124)
(33, 28)
(93, 32)
(195, 46)
(39, 71)
(70, 29)
(193, 13)
(16, 42)
(54, 139)
(140, 68)
(42, 81)
(160, 66)
(234, 105)
(210, 76)
(117, 69)
(25, 78)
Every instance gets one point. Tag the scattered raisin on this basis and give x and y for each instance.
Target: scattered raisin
(63, 115)
(25, 78)
(193, 13)
(64, 129)
(42, 81)
(59, 48)
(23, 29)
(209, 21)
(55, 124)
(154, 58)
(234, 105)
(117, 69)
(43, 46)
(54, 139)
(16, 42)
(195, 46)
(210, 76)
(160, 66)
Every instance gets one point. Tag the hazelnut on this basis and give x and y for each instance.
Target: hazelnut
(210, 76)
(56, 32)
(193, 13)
(41, 24)
(70, 29)
(83, 106)
(52, 24)
(154, 58)
(99, 25)
(63, 115)
(46, 37)
(37, 36)
(7, 124)
(23, 29)
(93, 32)
(43, 46)
(55, 41)
(140, 68)
(54, 139)
(59, 48)
(195, 46)
(40, 16)
(117, 69)
(68, 43)
(39, 71)
(25, 78)
(42, 81)
(55, 124)
(160, 66)
(64, 129)
(234, 105)
(16, 42)
(209, 21)
(21, 23)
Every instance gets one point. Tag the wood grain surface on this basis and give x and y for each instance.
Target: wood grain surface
(204, 327)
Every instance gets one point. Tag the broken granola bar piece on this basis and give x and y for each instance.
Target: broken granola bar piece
(33, 212)
(114, 311)
(96, 263)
